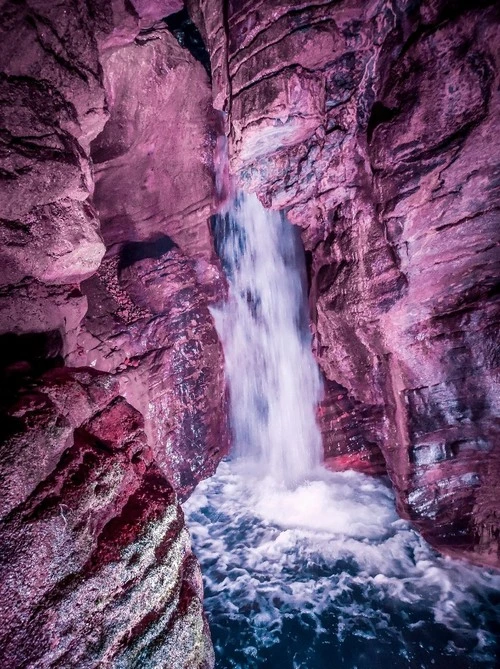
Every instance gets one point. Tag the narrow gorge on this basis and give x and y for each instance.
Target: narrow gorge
(250, 387)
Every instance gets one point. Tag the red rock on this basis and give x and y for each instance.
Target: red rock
(148, 323)
(95, 559)
(31, 306)
(148, 319)
(351, 432)
(153, 176)
(119, 22)
(115, 425)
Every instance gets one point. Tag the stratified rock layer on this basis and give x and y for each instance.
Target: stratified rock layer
(148, 320)
(376, 125)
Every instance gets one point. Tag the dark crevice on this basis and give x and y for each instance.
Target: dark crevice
(187, 34)
(27, 356)
(135, 251)
(379, 114)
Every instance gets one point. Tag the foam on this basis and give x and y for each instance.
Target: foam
(334, 548)
(303, 567)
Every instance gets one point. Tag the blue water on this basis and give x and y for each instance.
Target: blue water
(327, 576)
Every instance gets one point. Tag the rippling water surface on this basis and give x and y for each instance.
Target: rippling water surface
(328, 576)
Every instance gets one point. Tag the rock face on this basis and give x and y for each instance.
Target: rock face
(148, 320)
(49, 230)
(96, 567)
(153, 161)
(112, 396)
(376, 126)
(148, 323)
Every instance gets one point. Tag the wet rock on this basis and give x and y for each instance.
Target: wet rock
(95, 566)
(149, 323)
(148, 320)
(351, 432)
(95, 562)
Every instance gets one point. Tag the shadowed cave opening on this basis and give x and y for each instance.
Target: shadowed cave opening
(27, 355)
(188, 36)
(134, 251)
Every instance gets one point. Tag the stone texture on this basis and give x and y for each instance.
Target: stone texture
(148, 323)
(148, 320)
(351, 431)
(96, 566)
(119, 22)
(376, 126)
(51, 105)
(153, 162)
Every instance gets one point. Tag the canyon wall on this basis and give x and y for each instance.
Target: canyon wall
(375, 125)
(112, 392)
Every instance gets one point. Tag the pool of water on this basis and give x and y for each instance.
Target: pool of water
(328, 576)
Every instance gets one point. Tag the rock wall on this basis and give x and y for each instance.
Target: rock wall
(375, 125)
(148, 320)
(96, 566)
(112, 395)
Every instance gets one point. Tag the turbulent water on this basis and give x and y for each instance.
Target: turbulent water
(327, 576)
(305, 568)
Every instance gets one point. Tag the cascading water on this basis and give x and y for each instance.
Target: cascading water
(273, 379)
(304, 568)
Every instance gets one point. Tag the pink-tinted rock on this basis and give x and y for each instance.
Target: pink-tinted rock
(148, 323)
(56, 243)
(31, 306)
(95, 560)
(395, 187)
(118, 23)
(210, 19)
(351, 432)
(154, 175)
(148, 320)
(52, 105)
(153, 178)
(58, 62)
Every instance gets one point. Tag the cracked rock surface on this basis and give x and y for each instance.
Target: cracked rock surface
(112, 396)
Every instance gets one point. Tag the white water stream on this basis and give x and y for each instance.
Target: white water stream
(273, 378)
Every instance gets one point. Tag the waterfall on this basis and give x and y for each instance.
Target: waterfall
(311, 568)
(273, 378)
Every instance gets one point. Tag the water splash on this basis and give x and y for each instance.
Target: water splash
(318, 572)
(327, 575)
(273, 378)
